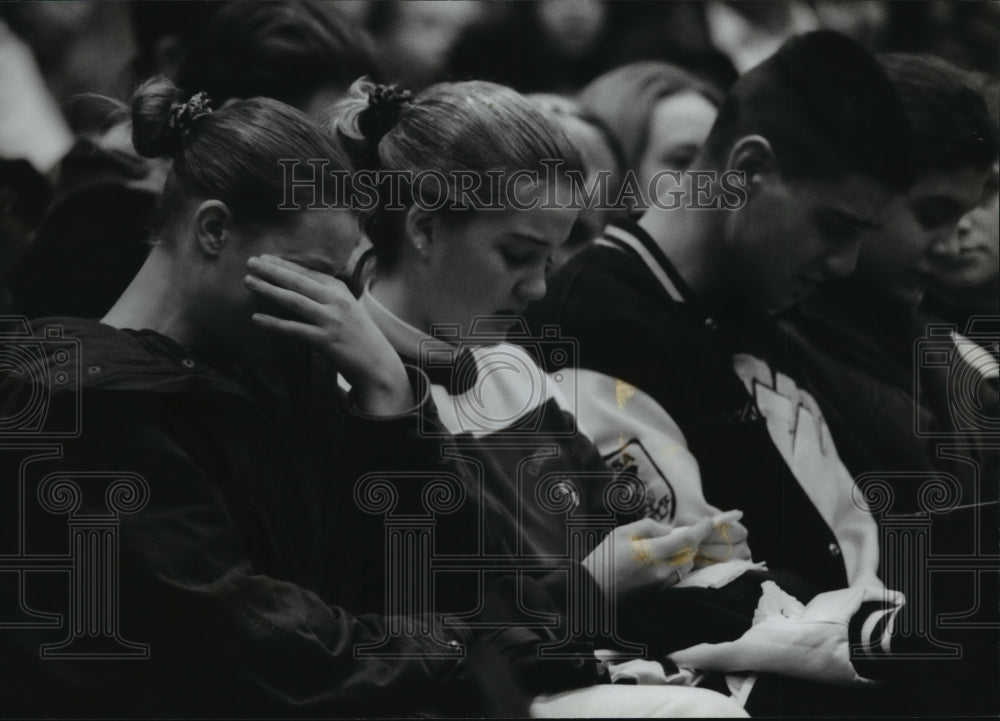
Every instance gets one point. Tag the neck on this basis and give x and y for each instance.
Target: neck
(155, 300)
(689, 238)
(394, 290)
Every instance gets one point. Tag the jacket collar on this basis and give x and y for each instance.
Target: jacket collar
(104, 358)
(632, 238)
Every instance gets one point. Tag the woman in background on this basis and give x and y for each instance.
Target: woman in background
(659, 114)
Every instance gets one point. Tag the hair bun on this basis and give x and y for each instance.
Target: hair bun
(161, 120)
(385, 105)
(184, 116)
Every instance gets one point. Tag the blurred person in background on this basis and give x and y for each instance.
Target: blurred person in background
(301, 52)
(965, 269)
(964, 33)
(603, 165)
(674, 32)
(81, 48)
(748, 31)
(92, 239)
(540, 47)
(659, 114)
(33, 137)
(416, 37)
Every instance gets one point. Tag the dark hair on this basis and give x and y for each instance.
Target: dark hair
(286, 50)
(154, 20)
(826, 108)
(950, 122)
(472, 126)
(988, 87)
(624, 99)
(231, 154)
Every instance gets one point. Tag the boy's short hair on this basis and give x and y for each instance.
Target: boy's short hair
(826, 108)
(950, 121)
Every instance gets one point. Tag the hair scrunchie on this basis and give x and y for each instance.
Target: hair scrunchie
(184, 116)
(385, 105)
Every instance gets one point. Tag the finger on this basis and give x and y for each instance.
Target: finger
(318, 275)
(728, 517)
(675, 549)
(730, 533)
(715, 553)
(292, 301)
(742, 552)
(290, 328)
(292, 276)
(671, 574)
(646, 528)
(682, 544)
(701, 530)
(734, 532)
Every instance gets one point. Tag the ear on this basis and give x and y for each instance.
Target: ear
(213, 227)
(754, 157)
(419, 229)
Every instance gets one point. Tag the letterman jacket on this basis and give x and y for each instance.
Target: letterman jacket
(684, 389)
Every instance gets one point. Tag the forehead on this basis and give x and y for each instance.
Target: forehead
(858, 196)
(548, 221)
(685, 116)
(963, 186)
(320, 233)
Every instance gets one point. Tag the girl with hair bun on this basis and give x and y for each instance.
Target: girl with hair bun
(212, 386)
(454, 271)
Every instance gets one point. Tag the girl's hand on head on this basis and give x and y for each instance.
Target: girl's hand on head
(324, 313)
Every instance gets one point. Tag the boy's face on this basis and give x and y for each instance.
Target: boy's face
(896, 260)
(793, 235)
(970, 259)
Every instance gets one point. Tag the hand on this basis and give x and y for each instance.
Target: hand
(645, 553)
(726, 542)
(328, 317)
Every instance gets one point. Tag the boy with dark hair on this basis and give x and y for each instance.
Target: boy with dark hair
(873, 360)
(662, 310)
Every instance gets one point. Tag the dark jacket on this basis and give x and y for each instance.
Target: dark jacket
(680, 352)
(249, 536)
(92, 238)
(909, 410)
(902, 400)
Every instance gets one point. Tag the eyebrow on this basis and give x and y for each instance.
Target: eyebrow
(852, 219)
(940, 202)
(530, 238)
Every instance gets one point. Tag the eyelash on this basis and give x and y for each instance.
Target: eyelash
(836, 230)
(517, 260)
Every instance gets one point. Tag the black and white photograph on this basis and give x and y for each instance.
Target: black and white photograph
(499, 359)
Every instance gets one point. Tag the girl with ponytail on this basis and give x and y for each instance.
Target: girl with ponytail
(451, 281)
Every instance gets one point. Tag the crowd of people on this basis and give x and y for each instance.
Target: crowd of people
(566, 358)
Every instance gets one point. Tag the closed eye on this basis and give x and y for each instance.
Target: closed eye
(837, 228)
